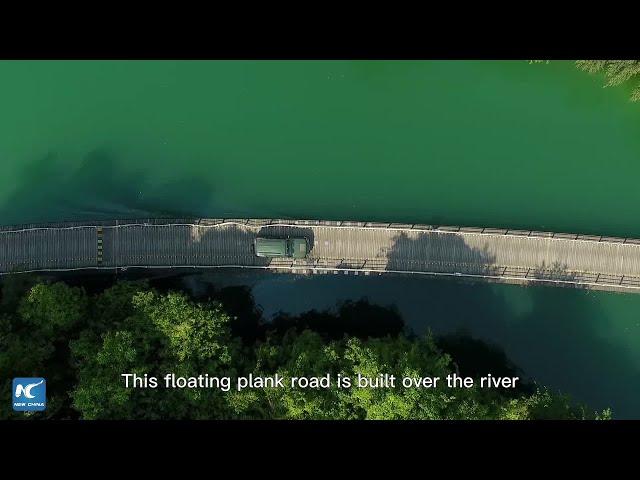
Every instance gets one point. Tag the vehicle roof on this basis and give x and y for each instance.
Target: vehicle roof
(271, 246)
(299, 247)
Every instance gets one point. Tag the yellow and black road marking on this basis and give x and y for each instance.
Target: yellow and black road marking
(100, 238)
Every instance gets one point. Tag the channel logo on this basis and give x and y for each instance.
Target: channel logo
(29, 394)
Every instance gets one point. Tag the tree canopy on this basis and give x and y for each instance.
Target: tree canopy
(616, 72)
(83, 343)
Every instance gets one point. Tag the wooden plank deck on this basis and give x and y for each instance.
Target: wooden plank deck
(509, 255)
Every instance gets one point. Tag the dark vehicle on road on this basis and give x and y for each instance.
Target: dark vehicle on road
(281, 247)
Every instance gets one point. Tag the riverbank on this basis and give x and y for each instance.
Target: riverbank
(88, 342)
(583, 343)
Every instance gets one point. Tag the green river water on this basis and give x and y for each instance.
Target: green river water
(501, 144)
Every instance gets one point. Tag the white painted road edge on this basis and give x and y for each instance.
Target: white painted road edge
(325, 269)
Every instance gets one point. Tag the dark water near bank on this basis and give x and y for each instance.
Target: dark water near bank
(567, 339)
(503, 144)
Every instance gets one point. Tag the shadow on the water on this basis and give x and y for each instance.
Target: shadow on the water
(359, 318)
(239, 303)
(102, 187)
(363, 319)
(557, 336)
(475, 358)
(570, 331)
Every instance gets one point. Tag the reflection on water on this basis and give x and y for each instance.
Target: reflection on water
(581, 342)
(107, 188)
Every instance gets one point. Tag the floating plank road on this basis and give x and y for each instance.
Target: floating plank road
(515, 256)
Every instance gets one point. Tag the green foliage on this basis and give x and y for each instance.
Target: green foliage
(158, 334)
(306, 354)
(53, 309)
(543, 405)
(83, 345)
(195, 333)
(616, 72)
(34, 334)
(14, 287)
(99, 393)
(115, 305)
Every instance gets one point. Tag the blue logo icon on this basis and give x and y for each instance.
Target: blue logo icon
(29, 394)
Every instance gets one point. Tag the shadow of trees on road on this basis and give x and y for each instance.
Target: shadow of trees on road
(438, 252)
(560, 339)
(448, 253)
